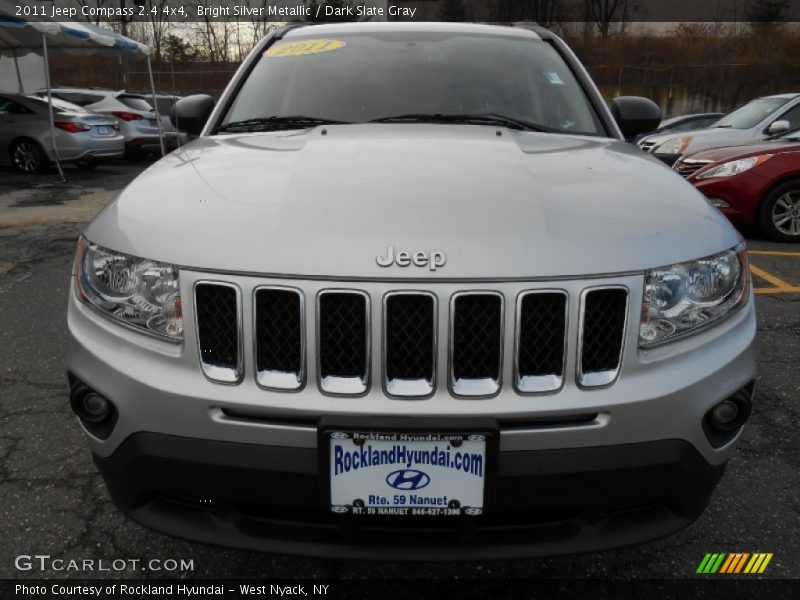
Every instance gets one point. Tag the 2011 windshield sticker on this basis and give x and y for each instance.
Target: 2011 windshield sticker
(303, 48)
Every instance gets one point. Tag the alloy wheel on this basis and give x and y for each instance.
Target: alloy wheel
(27, 157)
(786, 213)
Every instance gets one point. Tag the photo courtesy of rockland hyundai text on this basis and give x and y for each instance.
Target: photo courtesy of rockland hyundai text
(370, 303)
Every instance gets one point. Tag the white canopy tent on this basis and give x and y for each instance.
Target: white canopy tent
(24, 61)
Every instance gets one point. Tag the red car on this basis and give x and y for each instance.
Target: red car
(753, 184)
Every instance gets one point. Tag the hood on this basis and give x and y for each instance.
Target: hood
(326, 202)
(735, 152)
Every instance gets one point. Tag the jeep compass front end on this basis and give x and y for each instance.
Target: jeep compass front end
(411, 295)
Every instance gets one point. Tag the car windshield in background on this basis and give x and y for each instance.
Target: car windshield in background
(752, 113)
(59, 105)
(433, 77)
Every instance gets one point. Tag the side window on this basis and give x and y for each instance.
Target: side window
(793, 116)
(9, 107)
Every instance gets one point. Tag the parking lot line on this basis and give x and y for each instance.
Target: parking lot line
(779, 286)
(773, 253)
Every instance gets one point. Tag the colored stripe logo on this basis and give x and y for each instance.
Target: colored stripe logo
(734, 563)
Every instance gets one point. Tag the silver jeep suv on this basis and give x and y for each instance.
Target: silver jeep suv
(410, 294)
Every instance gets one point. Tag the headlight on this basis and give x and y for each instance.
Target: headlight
(674, 146)
(683, 298)
(733, 167)
(141, 293)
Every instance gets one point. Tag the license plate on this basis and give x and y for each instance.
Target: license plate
(103, 130)
(407, 474)
(153, 122)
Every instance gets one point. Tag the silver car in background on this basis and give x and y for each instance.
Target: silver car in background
(81, 136)
(759, 119)
(136, 116)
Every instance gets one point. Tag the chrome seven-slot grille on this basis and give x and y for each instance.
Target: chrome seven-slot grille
(408, 328)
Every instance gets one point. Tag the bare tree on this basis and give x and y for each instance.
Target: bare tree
(606, 12)
(767, 14)
(259, 26)
(157, 12)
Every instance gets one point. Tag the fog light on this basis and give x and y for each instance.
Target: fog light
(725, 413)
(725, 419)
(97, 413)
(95, 405)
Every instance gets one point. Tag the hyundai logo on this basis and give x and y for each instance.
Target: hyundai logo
(339, 435)
(408, 479)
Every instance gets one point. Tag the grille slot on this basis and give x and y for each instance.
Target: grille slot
(219, 332)
(409, 338)
(603, 316)
(541, 341)
(343, 341)
(279, 338)
(476, 342)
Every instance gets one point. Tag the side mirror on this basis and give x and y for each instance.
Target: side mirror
(635, 115)
(780, 126)
(191, 113)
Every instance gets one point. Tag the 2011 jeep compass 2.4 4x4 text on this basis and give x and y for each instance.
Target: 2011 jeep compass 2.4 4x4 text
(411, 294)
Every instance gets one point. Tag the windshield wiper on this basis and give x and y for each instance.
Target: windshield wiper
(469, 119)
(275, 122)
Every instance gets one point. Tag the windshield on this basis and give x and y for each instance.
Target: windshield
(752, 113)
(59, 105)
(356, 78)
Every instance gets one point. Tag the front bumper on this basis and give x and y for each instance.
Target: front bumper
(77, 147)
(742, 193)
(548, 502)
(578, 469)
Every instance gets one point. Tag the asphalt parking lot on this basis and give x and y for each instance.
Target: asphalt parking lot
(52, 501)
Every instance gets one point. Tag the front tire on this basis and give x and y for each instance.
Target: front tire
(27, 156)
(779, 215)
